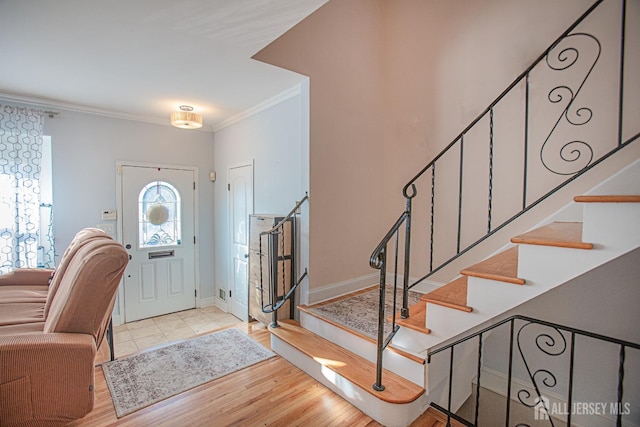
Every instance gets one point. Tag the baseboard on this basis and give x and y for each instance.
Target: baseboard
(206, 302)
(221, 304)
(342, 288)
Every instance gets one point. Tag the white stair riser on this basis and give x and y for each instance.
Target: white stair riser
(490, 297)
(614, 226)
(547, 266)
(446, 322)
(412, 340)
(394, 362)
(385, 413)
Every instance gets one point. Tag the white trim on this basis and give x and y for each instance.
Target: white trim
(275, 100)
(206, 302)
(424, 287)
(221, 304)
(196, 229)
(49, 103)
(342, 288)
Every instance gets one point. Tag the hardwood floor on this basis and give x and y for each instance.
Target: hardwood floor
(271, 393)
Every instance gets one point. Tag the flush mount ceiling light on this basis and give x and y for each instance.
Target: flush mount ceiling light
(186, 118)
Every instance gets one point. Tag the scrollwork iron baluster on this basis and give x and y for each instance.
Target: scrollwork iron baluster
(573, 151)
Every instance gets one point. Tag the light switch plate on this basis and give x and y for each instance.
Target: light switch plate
(109, 214)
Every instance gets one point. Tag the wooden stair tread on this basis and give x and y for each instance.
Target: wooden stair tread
(561, 234)
(347, 364)
(608, 198)
(452, 295)
(502, 267)
(417, 318)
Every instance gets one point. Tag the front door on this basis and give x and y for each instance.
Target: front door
(158, 231)
(240, 207)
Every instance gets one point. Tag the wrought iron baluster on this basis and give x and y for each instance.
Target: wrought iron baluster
(460, 193)
(490, 169)
(620, 384)
(571, 362)
(450, 387)
(383, 272)
(395, 281)
(509, 373)
(526, 143)
(477, 409)
(407, 256)
(433, 194)
(623, 26)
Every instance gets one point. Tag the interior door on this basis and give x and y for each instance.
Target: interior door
(240, 207)
(158, 230)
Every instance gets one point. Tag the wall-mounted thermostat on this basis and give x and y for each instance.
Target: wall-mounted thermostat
(109, 214)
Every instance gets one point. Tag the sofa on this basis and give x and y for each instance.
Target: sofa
(51, 323)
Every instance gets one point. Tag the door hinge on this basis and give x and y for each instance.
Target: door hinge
(194, 185)
(229, 293)
(228, 187)
(195, 293)
(194, 240)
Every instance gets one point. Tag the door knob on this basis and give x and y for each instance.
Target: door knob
(246, 255)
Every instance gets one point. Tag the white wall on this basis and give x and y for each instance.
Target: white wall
(85, 149)
(274, 139)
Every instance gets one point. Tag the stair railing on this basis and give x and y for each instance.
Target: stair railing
(278, 292)
(572, 159)
(535, 339)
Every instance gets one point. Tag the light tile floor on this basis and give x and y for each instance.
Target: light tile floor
(136, 336)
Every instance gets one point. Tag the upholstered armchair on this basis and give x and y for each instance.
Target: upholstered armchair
(47, 362)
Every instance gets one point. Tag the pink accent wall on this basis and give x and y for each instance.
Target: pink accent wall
(391, 83)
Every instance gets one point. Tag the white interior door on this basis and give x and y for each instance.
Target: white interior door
(240, 207)
(158, 231)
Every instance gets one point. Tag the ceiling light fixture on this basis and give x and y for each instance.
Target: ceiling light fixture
(186, 118)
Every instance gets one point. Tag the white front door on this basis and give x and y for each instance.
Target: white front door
(158, 231)
(240, 207)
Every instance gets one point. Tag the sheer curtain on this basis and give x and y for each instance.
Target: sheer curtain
(26, 231)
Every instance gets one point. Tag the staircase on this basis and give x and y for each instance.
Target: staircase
(535, 262)
(392, 377)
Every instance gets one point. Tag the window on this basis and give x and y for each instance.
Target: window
(159, 216)
(26, 211)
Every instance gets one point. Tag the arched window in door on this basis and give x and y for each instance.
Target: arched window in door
(159, 216)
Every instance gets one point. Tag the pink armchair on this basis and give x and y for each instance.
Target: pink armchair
(47, 361)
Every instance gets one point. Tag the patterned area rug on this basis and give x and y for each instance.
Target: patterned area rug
(360, 312)
(146, 378)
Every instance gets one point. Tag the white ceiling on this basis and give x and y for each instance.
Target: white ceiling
(144, 58)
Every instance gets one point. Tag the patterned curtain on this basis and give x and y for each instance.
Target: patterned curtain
(26, 233)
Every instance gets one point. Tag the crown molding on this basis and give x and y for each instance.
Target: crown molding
(265, 105)
(53, 104)
(58, 105)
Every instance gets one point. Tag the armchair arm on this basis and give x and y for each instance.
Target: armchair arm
(46, 377)
(27, 277)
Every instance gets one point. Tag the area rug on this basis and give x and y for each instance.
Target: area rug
(360, 312)
(146, 378)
